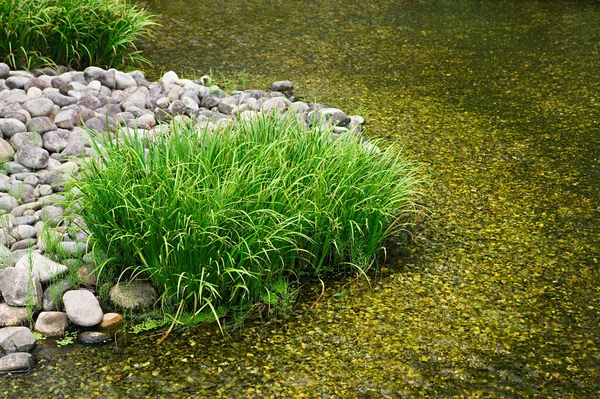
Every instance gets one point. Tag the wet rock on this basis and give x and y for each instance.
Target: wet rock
(111, 321)
(15, 362)
(82, 308)
(93, 338)
(51, 324)
(133, 295)
(41, 267)
(282, 85)
(13, 315)
(16, 339)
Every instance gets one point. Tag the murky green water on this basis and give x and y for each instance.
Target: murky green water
(498, 296)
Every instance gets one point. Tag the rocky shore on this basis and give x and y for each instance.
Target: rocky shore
(47, 281)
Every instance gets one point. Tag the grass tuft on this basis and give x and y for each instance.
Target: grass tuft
(223, 220)
(79, 33)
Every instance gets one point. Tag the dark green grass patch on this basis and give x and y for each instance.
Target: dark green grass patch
(221, 219)
(78, 33)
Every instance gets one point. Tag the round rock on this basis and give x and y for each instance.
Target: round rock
(82, 308)
(136, 294)
(51, 324)
(32, 157)
(93, 338)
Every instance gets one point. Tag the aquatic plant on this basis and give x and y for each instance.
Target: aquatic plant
(78, 33)
(219, 219)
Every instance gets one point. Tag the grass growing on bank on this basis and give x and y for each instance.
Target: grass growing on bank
(221, 220)
(79, 33)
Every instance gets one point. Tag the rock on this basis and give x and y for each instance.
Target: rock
(4, 70)
(72, 248)
(51, 324)
(123, 80)
(32, 157)
(101, 124)
(23, 244)
(275, 105)
(41, 267)
(93, 338)
(6, 151)
(52, 215)
(132, 295)
(16, 339)
(87, 276)
(210, 101)
(23, 231)
(13, 315)
(8, 203)
(82, 308)
(19, 288)
(177, 107)
(88, 101)
(27, 138)
(169, 78)
(39, 107)
(36, 83)
(66, 119)
(60, 99)
(282, 85)
(40, 124)
(111, 321)
(139, 97)
(15, 362)
(11, 126)
(57, 140)
(6, 257)
(16, 82)
(52, 297)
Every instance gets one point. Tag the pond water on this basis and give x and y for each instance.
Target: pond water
(497, 295)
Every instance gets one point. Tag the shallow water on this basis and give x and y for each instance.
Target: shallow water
(498, 295)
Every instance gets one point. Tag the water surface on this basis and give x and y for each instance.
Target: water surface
(498, 295)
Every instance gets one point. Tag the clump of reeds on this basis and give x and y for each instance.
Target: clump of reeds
(78, 33)
(220, 219)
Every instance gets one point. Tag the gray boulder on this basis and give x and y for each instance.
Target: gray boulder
(39, 107)
(135, 294)
(8, 203)
(82, 308)
(6, 151)
(282, 85)
(16, 339)
(15, 362)
(11, 126)
(4, 70)
(52, 297)
(11, 316)
(57, 140)
(32, 157)
(40, 124)
(16, 82)
(41, 267)
(51, 324)
(20, 288)
(32, 139)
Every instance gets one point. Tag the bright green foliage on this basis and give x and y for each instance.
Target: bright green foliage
(219, 219)
(78, 33)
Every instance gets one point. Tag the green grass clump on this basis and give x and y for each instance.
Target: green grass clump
(221, 219)
(79, 33)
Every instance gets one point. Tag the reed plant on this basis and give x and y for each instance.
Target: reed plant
(219, 220)
(79, 33)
